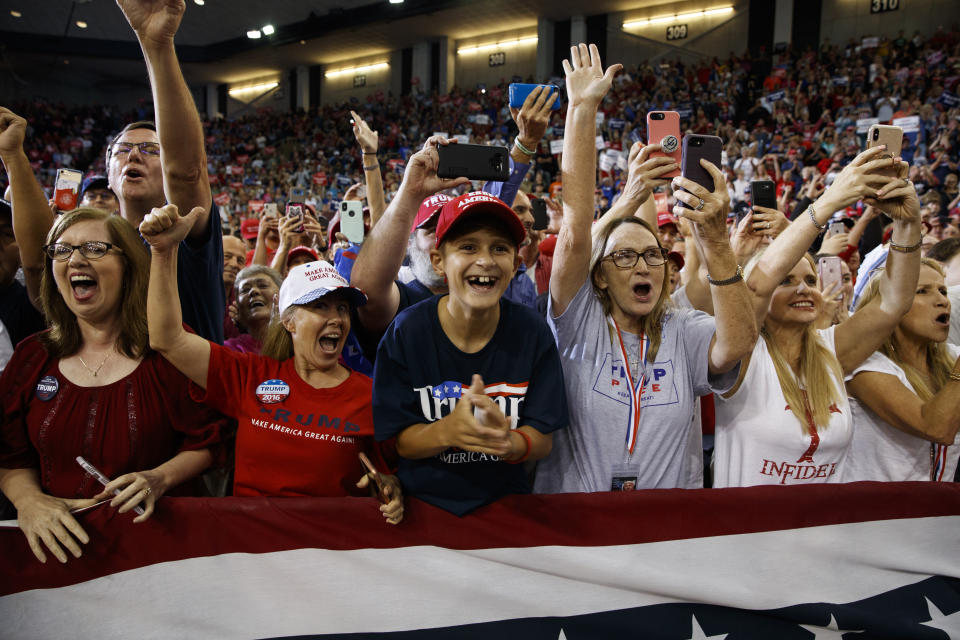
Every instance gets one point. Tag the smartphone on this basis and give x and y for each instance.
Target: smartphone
(368, 467)
(67, 189)
(836, 227)
(696, 147)
(298, 194)
(519, 92)
(351, 220)
(663, 128)
(295, 210)
(270, 210)
(829, 271)
(763, 193)
(474, 161)
(891, 136)
(540, 218)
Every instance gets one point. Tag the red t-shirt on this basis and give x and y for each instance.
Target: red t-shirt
(292, 439)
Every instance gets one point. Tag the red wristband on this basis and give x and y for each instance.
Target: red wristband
(526, 454)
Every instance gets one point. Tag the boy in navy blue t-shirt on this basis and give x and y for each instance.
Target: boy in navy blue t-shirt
(469, 383)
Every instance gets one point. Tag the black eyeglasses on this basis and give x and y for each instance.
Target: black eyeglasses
(93, 250)
(146, 148)
(628, 258)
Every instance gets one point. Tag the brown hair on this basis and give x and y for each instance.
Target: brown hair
(278, 343)
(64, 337)
(939, 362)
(652, 322)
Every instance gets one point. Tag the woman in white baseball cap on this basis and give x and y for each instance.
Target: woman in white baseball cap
(303, 416)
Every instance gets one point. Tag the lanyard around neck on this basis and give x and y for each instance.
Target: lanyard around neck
(636, 389)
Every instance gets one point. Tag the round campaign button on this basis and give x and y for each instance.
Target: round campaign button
(670, 144)
(272, 391)
(47, 388)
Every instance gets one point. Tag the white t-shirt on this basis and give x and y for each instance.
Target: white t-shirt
(759, 440)
(6, 347)
(882, 452)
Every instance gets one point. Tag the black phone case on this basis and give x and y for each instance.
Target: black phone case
(690, 168)
(474, 161)
(763, 193)
(540, 218)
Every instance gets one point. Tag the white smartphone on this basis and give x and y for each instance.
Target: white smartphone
(351, 220)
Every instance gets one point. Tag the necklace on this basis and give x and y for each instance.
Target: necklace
(97, 370)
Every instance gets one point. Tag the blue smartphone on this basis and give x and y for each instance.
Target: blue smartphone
(519, 93)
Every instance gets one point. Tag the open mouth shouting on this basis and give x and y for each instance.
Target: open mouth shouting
(643, 291)
(133, 173)
(943, 320)
(330, 342)
(84, 286)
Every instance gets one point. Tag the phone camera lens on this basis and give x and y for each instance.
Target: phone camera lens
(876, 134)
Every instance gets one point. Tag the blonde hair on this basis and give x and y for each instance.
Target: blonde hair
(939, 362)
(278, 344)
(819, 371)
(652, 323)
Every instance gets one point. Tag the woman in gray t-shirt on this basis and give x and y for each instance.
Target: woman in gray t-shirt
(632, 366)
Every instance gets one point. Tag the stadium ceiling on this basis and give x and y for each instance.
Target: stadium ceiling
(212, 42)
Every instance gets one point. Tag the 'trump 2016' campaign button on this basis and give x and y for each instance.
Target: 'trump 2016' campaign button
(272, 391)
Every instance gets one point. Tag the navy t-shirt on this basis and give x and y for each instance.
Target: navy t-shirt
(17, 314)
(419, 375)
(200, 280)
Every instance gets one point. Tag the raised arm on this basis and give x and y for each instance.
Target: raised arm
(587, 84)
(643, 176)
(867, 329)
(182, 155)
(369, 143)
(736, 327)
(382, 254)
(937, 419)
(164, 229)
(32, 217)
(857, 180)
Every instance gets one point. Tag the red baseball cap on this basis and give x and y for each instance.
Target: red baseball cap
(429, 208)
(479, 202)
(665, 219)
(677, 259)
(249, 228)
(302, 250)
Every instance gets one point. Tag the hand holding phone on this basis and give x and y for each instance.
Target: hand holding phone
(295, 212)
(830, 274)
(67, 189)
(518, 94)
(473, 161)
(370, 470)
(351, 220)
(663, 128)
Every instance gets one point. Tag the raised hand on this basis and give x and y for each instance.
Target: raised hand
(13, 129)
(164, 228)
(153, 20)
(861, 178)
(533, 116)
(421, 172)
(366, 137)
(645, 173)
(708, 210)
(587, 82)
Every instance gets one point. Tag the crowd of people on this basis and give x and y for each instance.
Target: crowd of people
(250, 307)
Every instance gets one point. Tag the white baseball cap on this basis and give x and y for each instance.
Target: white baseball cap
(313, 280)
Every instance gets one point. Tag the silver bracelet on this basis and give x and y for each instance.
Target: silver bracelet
(523, 149)
(813, 219)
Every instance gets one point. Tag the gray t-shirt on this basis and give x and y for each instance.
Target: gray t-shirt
(592, 450)
(953, 293)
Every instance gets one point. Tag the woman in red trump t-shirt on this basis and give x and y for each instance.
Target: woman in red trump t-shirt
(303, 416)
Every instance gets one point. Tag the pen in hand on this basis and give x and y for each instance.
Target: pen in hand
(102, 479)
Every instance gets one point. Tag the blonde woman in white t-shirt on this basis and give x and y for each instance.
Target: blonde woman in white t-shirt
(787, 420)
(906, 396)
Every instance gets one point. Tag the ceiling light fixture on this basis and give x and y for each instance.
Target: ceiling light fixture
(15, 13)
(396, 1)
(263, 86)
(254, 34)
(268, 29)
(198, 2)
(678, 16)
(81, 24)
(498, 45)
(366, 67)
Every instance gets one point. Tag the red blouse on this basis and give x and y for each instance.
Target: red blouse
(133, 424)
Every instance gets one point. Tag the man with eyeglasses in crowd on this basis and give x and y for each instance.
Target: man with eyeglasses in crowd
(150, 165)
